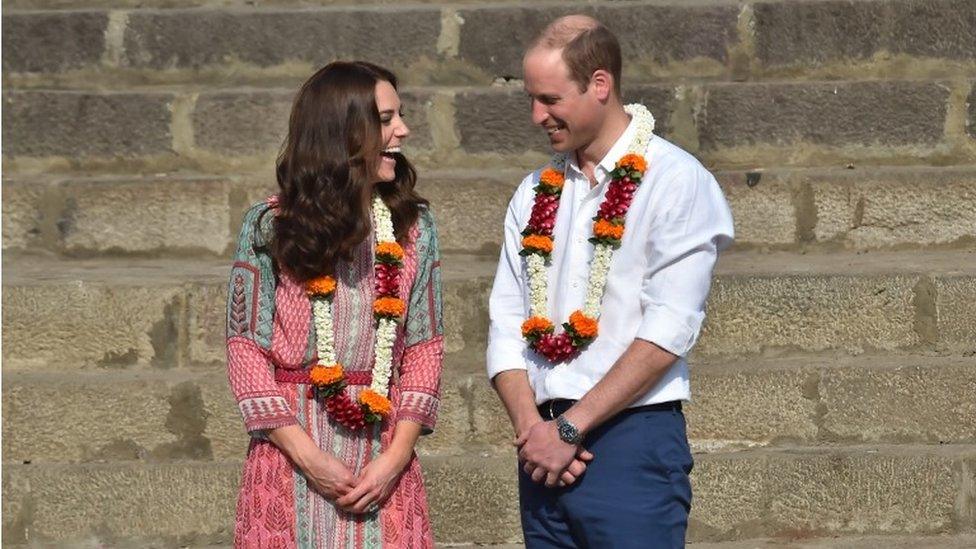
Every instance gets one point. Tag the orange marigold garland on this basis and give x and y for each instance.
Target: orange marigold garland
(328, 382)
(608, 232)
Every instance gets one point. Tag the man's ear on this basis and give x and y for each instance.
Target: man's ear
(602, 83)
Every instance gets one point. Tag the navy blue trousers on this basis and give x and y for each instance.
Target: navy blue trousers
(634, 494)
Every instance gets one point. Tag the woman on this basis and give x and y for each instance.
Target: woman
(334, 340)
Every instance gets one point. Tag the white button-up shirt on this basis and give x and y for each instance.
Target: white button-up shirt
(658, 282)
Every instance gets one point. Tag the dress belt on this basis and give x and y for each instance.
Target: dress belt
(552, 408)
(287, 375)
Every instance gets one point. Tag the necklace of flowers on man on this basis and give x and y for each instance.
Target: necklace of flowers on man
(328, 381)
(608, 231)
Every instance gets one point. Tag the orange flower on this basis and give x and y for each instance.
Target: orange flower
(326, 375)
(389, 306)
(552, 178)
(389, 249)
(583, 325)
(377, 403)
(536, 324)
(633, 162)
(605, 229)
(537, 242)
(321, 286)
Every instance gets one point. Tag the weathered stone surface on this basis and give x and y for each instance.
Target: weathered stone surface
(179, 503)
(762, 207)
(83, 324)
(144, 216)
(23, 214)
(82, 124)
(815, 32)
(810, 313)
(872, 209)
(465, 307)
(799, 33)
(494, 39)
(919, 404)
(894, 490)
(755, 405)
(831, 114)
(469, 210)
(255, 122)
(971, 123)
(934, 28)
(470, 418)
(207, 320)
(473, 499)
(52, 42)
(196, 39)
(111, 417)
(500, 121)
(956, 314)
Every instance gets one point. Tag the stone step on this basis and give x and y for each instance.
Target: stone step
(789, 209)
(462, 43)
(727, 125)
(178, 414)
(143, 313)
(862, 490)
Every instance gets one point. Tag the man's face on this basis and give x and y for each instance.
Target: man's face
(570, 117)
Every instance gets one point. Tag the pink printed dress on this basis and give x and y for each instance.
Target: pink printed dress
(269, 334)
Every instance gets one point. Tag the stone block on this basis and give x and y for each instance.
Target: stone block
(494, 39)
(24, 216)
(809, 313)
(465, 310)
(195, 39)
(82, 324)
(971, 122)
(930, 403)
(86, 124)
(762, 207)
(956, 315)
(826, 114)
(752, 405)
(224, 429)
(789, 33)
(146, 216)
(473, 499)
(941, 28)
(760, 493)
(471, 417)
(207, 323)
(113, 416)
(53, 41)
(469, 210)
(181, 504)
(875, 209)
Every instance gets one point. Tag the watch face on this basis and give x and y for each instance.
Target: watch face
(567, 432)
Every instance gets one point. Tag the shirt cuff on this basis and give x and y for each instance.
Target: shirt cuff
(668, 331)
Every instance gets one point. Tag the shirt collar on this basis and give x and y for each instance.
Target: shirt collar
(616, 152)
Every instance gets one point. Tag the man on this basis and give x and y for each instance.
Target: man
(596, 406)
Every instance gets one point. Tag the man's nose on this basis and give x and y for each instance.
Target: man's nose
(539, 113)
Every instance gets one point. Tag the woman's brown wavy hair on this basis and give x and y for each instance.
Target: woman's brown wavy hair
(326, 172)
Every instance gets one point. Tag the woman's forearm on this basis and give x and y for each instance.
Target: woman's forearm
(404, 439)
(296, 444)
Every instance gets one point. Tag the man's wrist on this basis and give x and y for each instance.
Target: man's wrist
(568, 432)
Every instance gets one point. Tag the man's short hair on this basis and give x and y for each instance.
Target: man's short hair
(587, 46)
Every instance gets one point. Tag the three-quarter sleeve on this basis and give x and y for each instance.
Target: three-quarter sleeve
(695, 224)
(250, 315)
(420, 369)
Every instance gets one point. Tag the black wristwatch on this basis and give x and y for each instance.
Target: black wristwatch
(568, 432)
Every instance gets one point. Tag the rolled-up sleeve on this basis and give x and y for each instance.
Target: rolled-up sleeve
(693, 224)
(506, 305)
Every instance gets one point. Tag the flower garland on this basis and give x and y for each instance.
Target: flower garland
(608, 232)
(328, 381)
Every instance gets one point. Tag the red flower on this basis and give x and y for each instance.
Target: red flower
(345, 412)
(556, 348)
(387, 279)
